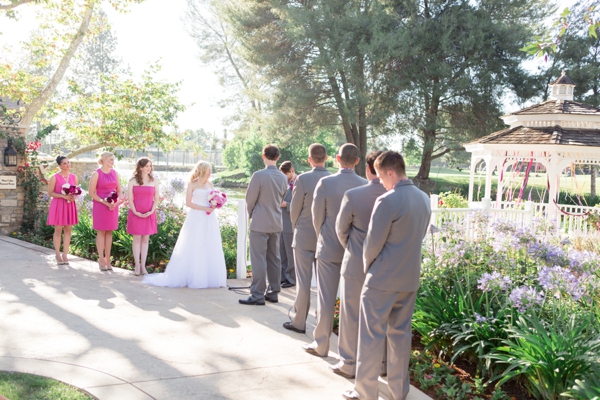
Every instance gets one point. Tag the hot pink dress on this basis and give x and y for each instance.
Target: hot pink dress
(61, 212)
(143, 198)
(104, 219)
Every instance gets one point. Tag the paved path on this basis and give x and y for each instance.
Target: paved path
(107, 333)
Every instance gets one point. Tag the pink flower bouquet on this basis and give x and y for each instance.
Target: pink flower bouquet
(112, 197)
(216, 199)
(72, 190)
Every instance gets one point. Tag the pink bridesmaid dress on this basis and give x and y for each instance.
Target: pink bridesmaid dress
(143, 198)
(103, 218)
(61, 212)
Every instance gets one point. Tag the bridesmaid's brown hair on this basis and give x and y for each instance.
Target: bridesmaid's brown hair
(137, 174)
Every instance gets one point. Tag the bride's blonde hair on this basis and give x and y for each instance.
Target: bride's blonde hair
(201, 172)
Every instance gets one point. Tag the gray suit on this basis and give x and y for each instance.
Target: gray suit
(263, 199)
(287, 237)
(351, 226)
(392, 262)
(305, 239)
(326, 205)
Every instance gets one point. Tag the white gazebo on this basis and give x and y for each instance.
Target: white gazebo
(555, 133)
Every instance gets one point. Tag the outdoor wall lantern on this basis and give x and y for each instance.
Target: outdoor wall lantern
(10, 155)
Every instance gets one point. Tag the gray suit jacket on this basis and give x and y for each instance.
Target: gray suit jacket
(263, 200)
(352, 224)
(392, 251)
(305, 237)
(285, 212)
(326, 205)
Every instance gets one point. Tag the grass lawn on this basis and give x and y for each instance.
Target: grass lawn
(17, 386)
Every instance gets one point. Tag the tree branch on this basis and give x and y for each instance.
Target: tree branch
(14, 4)
(38, 102)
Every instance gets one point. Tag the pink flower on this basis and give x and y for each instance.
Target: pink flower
(112, 197)
(216, 199)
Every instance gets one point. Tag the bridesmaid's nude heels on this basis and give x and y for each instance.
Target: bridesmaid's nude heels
(101, 266)
(59, 261)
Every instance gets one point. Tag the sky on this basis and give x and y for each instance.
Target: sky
(154, 31)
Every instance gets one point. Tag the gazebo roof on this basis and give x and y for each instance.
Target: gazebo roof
(542, 135)
(563, 79)
(559, 107)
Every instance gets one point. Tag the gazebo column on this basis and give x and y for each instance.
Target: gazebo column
(489, 168)
(553, 174)
(473, 167)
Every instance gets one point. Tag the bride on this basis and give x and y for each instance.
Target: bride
(197, 260)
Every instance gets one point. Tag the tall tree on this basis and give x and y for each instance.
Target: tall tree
(325, 60)
(454, 60)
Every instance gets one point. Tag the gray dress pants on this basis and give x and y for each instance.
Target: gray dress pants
(380, 309)
(304, 262)
(350, 290)
(264, 256)
(328, 279)
(290, 271)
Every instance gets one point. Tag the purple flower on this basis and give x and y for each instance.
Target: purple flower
(560, 280)
(160, 217)
(524, 297)
(479, 318)
(493, 282)
(178, 185)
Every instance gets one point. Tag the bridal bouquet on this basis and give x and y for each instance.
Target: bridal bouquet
(72, 190)
(216, 199)
(112, 197)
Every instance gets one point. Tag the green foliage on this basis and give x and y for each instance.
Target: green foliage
(587, 388)
(229, 239)
(550, 356)
(19, 386)
(127, 113)
(452, 200)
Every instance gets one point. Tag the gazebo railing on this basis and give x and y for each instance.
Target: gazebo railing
(570, 219)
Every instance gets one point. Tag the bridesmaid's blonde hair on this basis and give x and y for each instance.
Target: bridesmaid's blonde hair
(201, 172)
(104, 156)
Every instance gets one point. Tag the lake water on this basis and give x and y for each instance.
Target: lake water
(233, 194)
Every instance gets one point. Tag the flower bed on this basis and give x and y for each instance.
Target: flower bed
(519, 304)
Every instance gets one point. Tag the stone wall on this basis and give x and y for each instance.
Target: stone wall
(11, 200)
(81, 168)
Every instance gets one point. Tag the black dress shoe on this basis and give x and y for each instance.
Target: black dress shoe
(336, 370)
(252, 302)
(288, 285)
(290, 327)
(311, 350)
(272, 299)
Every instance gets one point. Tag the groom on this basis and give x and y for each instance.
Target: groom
(263, 199)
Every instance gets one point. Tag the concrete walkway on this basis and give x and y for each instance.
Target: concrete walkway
(110, 335)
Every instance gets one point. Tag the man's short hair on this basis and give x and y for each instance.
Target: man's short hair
(348, 154)
(286, 167)
(317, 152)
(271, 152)
(371, 157)
(391, 160)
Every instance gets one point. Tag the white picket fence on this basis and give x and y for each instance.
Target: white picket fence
(569, 219)
(572, 220)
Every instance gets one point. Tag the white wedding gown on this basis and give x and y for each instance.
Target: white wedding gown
(197, 260)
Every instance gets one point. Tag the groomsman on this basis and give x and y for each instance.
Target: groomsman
(263, 200)
(392, 260)
(351, 226)
(305, 238)
(288, 274)
(326, 205)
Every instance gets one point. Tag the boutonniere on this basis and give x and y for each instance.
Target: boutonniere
(292, 184)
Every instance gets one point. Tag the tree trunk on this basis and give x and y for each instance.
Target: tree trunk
(14, 4)
(422, 178)
(39, 101)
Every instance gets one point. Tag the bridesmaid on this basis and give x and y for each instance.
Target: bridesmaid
(62, 213)
(105, 215)
(143, 194)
